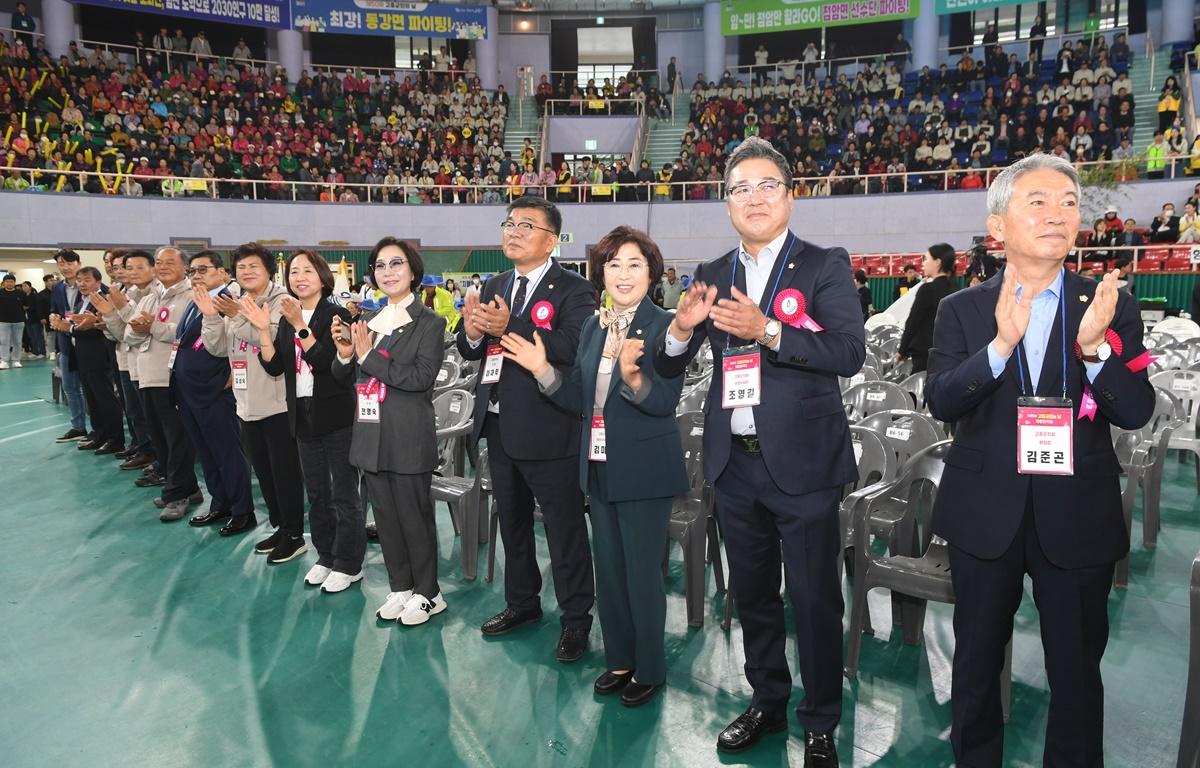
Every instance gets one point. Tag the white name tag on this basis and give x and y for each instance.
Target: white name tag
(858, 450)
(171, 359)
(455, 406)
(1044, 439)
(368, 404)
(741, 374)
(857, 379)
(240, 374)
(596, 447)
(1183, 385)
(492, 365)
(877, 397)
(442, 376)
(898, 433)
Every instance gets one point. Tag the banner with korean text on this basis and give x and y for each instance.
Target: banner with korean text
(752, 17)
(391, 17)
(275, 14)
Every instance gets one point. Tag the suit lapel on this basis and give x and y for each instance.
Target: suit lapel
(782, 273)
(637, 330)
(543, 290)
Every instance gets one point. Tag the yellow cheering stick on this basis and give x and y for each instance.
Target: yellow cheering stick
(55, 103)
(8, 135)
(62, 177)
(38, 84)
(37, 125)
(23, 116)
(87, 155)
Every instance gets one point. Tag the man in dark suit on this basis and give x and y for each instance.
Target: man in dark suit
(533, 445)
(1165, 227)
(93, 361)
(65, 300)
(788, 310)
(1035, 329)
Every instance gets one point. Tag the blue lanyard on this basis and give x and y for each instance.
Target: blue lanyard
(784, 253)
(1062, 316)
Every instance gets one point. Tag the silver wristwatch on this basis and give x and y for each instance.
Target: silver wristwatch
(768, 337)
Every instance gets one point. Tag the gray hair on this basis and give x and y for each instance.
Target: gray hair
(163, 249)
(1000, 192)
(755, 148)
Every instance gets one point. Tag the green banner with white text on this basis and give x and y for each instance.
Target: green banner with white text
(752, 17)
(960, 6)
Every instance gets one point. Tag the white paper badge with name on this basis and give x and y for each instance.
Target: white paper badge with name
(171, 359)
(492, 365)
(240, 377)
(1044, 436)
(741, 377)
(368, 403)
(596, 447)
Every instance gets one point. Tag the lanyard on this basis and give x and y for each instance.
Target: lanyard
(784, 252)
(1062, 314)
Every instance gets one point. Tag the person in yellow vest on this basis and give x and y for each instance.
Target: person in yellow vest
(439, 300)
(662, 190)
(1156, 156)
(565, 179)
(1194, 165)
(1168, 103)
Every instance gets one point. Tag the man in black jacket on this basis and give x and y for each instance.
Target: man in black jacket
(12, 322)
(93, 360)
(533, 445)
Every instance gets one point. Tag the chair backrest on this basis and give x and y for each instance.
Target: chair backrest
(866, 373)
(916, 489)
(448, 374)
(1169, 359)
(483, 471)
(876, 460)
(1189, 737)
(898, 372)
(870, 397)
(872, 360)
(1183, 384)
(906, 431)
(888, 347)
(691, 434)
(693, 397)
(452, 408)
(914, 385)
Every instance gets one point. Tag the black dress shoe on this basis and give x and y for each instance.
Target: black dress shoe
(209, 517)
(126, 454)
(636, 694)
(88, 445)
(239, 524)
(508, 620)
(819, 751)
(149, 481)
(611, 682)
(748, 728)
(109, 448)
(372, 532)
(71, 435)
(138, 461)
(571, 644)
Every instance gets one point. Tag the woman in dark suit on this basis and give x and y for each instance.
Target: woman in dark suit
(393, 355)
(918, 329)
(320, 414)
(633, 464)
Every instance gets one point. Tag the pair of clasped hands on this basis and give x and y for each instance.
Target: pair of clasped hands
(1012, 315)
(103, 304)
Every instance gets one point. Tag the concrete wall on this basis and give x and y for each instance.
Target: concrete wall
(613, 135)
(684, 231)
(519, 50)
(688, 49)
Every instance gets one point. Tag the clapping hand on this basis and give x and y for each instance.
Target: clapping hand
(1012, 315)
(739, 316)
(101, 302)
(227, 305)
(292, 311)
(117, 297)
(471, 319)
(693, 309)
(631, 353)
(361, 336)
(86, 320)
(493, 317)
(141, 323)
(529, 355)
(257, 316)
(1099, 315)
(204, 302)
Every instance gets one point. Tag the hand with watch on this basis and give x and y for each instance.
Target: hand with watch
(1099, 316)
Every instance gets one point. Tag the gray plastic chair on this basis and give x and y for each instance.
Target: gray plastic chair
(877, 467)
(870, 397)
(1185, 385)
(866, 373)
(693, 525)
(1189, 735)
(1142, 453)
(922, 577)
(898, 372)
(453, 421)
(447, 377)
(694, 396)
(914, 385)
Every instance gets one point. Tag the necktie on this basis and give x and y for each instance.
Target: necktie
(77, 305)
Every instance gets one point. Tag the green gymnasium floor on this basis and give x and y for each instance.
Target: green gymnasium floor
(127, 641)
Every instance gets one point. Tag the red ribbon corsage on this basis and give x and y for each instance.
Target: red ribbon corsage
(790, 307)
(542, 313)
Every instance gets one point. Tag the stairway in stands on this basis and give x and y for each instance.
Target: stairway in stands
(666, 137)
(1145, 95)
(523, 122)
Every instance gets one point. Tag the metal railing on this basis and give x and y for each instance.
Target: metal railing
(1188, 107)
(169, 54)
(121, 182)
(585, 106)
(1152, 54)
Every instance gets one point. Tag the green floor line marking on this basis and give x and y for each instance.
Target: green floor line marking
(35, 431)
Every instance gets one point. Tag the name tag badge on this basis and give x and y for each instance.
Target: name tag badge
(240, 374)
(493, 364)
(596, 448)
(741, 377)
(171, 359)
(368, 404)
(1044, 436)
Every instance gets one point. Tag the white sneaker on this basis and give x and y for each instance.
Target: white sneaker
(316, 575)
(394, 605)
(17, 364)
(338, 581)
(419, 609)
(3, 365)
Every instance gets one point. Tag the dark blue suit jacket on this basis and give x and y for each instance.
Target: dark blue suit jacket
(199, 378)
(644, 449)
(801, 424)
(981, 500)
(61, 307)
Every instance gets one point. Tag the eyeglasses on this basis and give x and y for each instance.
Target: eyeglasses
(391, 266)
(617, 267)
(201, 270)
(524, 227)
(766, 189)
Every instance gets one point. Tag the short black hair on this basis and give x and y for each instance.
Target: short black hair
(415, 264)
(47, 278)
(860, 276)
(11, 276)
(324, 273)
(66, 254)
(91, 271)
(913, 267)
(1124, 261)
(214, 258)
(149, 257)
(254, 250)
(553, 215)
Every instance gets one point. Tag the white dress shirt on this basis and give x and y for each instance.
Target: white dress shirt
(758, 272)
(535, 276)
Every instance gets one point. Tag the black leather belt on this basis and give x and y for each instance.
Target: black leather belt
(747, 443)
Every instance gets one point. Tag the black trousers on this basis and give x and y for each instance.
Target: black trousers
(272, 452)
(216, 435)
(336, 516)
(1073, 608)
(920, 360)
(403, 507)
(176, 455)
(555, 486)
(630, 538)
(100, 395)
(767, 531)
